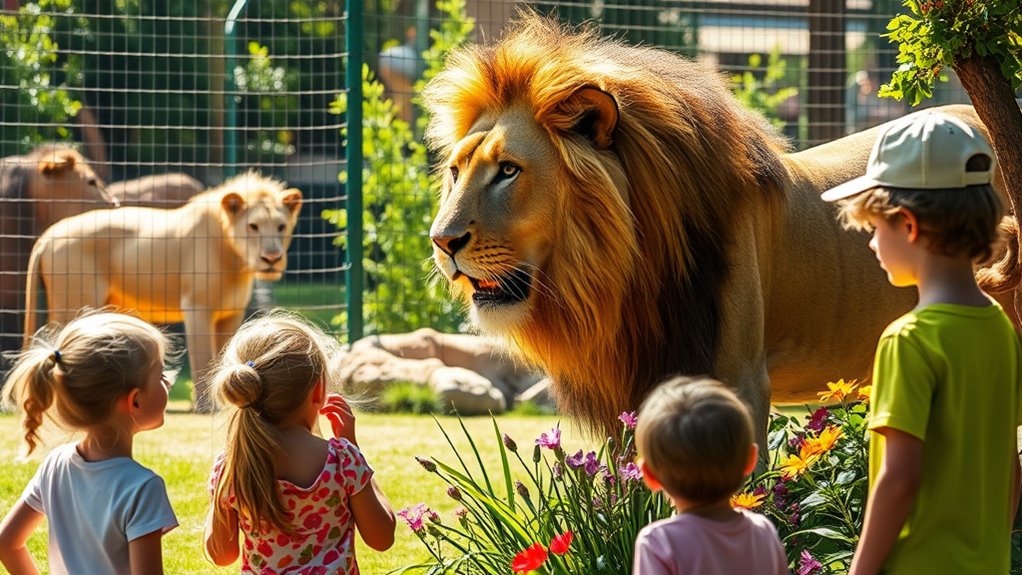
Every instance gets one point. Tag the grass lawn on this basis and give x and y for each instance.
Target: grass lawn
(183, 449)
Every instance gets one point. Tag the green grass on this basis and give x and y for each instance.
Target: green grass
(184, 448)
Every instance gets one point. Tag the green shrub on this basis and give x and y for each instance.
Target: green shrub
(399, 200)
(408, 397)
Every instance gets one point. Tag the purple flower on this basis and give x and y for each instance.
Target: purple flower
(552, 441)
(454, 493)
(575, 461)
(818, 420)
(597, 503)
(795, 441)
(557, 470)
(629, 418)
(433, 516)
(630, 472)
(413, 516)
(807, 564)
(592, 464)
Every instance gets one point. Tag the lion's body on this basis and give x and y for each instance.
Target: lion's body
(639, 222)
(165, 191)
(36, 190)
(195, 264)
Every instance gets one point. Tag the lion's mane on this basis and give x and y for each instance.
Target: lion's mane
(632, 290)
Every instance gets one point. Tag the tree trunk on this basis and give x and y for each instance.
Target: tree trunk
(994, 100)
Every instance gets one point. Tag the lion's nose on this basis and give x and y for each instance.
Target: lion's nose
(272, 258)
(451, 244)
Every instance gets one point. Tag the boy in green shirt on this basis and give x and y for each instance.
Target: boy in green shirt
(945, 406)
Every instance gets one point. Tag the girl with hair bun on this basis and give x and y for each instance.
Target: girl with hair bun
(296, 496)
(103, 375)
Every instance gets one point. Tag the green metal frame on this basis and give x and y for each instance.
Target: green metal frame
(353, 160)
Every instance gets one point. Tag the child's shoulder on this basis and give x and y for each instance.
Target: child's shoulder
(945, 316)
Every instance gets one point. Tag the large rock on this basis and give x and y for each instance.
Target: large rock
(470, 373)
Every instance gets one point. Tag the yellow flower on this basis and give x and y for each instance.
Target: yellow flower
(865, 391)
(837, 391)
(794, 465)
(822, 443)
(747, 500)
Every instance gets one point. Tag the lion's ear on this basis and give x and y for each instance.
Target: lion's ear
(232, 203)
(57, 162)
(292, 200)
(592, 114)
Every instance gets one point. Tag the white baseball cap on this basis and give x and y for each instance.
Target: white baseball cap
(926, 150)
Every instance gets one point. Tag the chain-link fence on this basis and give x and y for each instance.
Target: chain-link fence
(185, 95)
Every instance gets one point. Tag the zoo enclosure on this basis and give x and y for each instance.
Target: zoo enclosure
(214, 88)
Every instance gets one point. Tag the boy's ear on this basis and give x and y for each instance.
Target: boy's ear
(647, 476)
(750, 465)
(912, 223)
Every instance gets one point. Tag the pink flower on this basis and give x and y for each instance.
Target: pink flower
(559, 545)
(413, 516)
(629, 418)
(630, 472)
(552, 441)
(807, 564)
(818, 419)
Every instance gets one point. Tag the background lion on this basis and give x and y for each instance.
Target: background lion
(619, 217)
(195, 264)
(42, 187)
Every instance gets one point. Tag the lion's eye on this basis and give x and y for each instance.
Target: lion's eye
(509, 170)
(254, 227)
(454, 173)
(280, 228)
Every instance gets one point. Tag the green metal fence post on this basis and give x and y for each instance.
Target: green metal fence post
(353, 160)
(230, 89)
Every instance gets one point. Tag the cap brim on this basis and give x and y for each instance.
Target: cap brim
(850, 188)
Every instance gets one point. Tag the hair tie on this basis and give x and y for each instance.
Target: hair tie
(56, 355)
(250, 363)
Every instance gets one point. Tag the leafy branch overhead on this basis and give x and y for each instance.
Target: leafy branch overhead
(939, 33)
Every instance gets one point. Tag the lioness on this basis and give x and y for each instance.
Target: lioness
(194, 264)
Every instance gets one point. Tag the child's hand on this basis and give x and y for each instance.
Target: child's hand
(341, 418)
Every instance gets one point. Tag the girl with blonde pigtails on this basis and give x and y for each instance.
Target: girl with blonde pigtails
(102, 374)
(296, 496)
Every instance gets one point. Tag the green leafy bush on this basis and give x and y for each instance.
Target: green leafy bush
(408, 397)
(764, 95)
(29, 62)
(399, 200)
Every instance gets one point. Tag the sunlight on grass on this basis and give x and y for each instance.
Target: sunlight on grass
(183, 450)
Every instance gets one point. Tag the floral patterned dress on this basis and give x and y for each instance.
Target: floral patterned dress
(323, 538)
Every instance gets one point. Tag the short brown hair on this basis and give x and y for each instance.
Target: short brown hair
(694, 435)
(955, 221)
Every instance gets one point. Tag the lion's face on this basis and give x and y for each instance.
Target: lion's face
(492, 236)
(260, 224)
(65, 185)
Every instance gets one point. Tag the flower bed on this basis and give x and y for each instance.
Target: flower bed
(579, 513)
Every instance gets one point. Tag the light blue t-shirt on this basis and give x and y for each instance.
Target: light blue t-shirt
(95, 508)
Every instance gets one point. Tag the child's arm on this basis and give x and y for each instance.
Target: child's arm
(15, 530)
(145, 554)
(891, 501)
(374, 517)
(221, 539)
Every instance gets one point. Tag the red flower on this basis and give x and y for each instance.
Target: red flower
(530, 559)
(559, 545)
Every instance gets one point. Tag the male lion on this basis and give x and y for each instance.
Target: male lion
(617, 216)
(194, 264)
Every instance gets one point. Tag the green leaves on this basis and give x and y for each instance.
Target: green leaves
(939, 33)
(764, 95)
(399, 199)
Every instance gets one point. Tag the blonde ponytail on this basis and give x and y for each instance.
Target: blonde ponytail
(30, 386)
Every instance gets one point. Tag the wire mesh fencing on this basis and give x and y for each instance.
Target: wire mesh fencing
(148, 105)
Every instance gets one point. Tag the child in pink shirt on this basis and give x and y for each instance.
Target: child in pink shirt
(695, 438)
